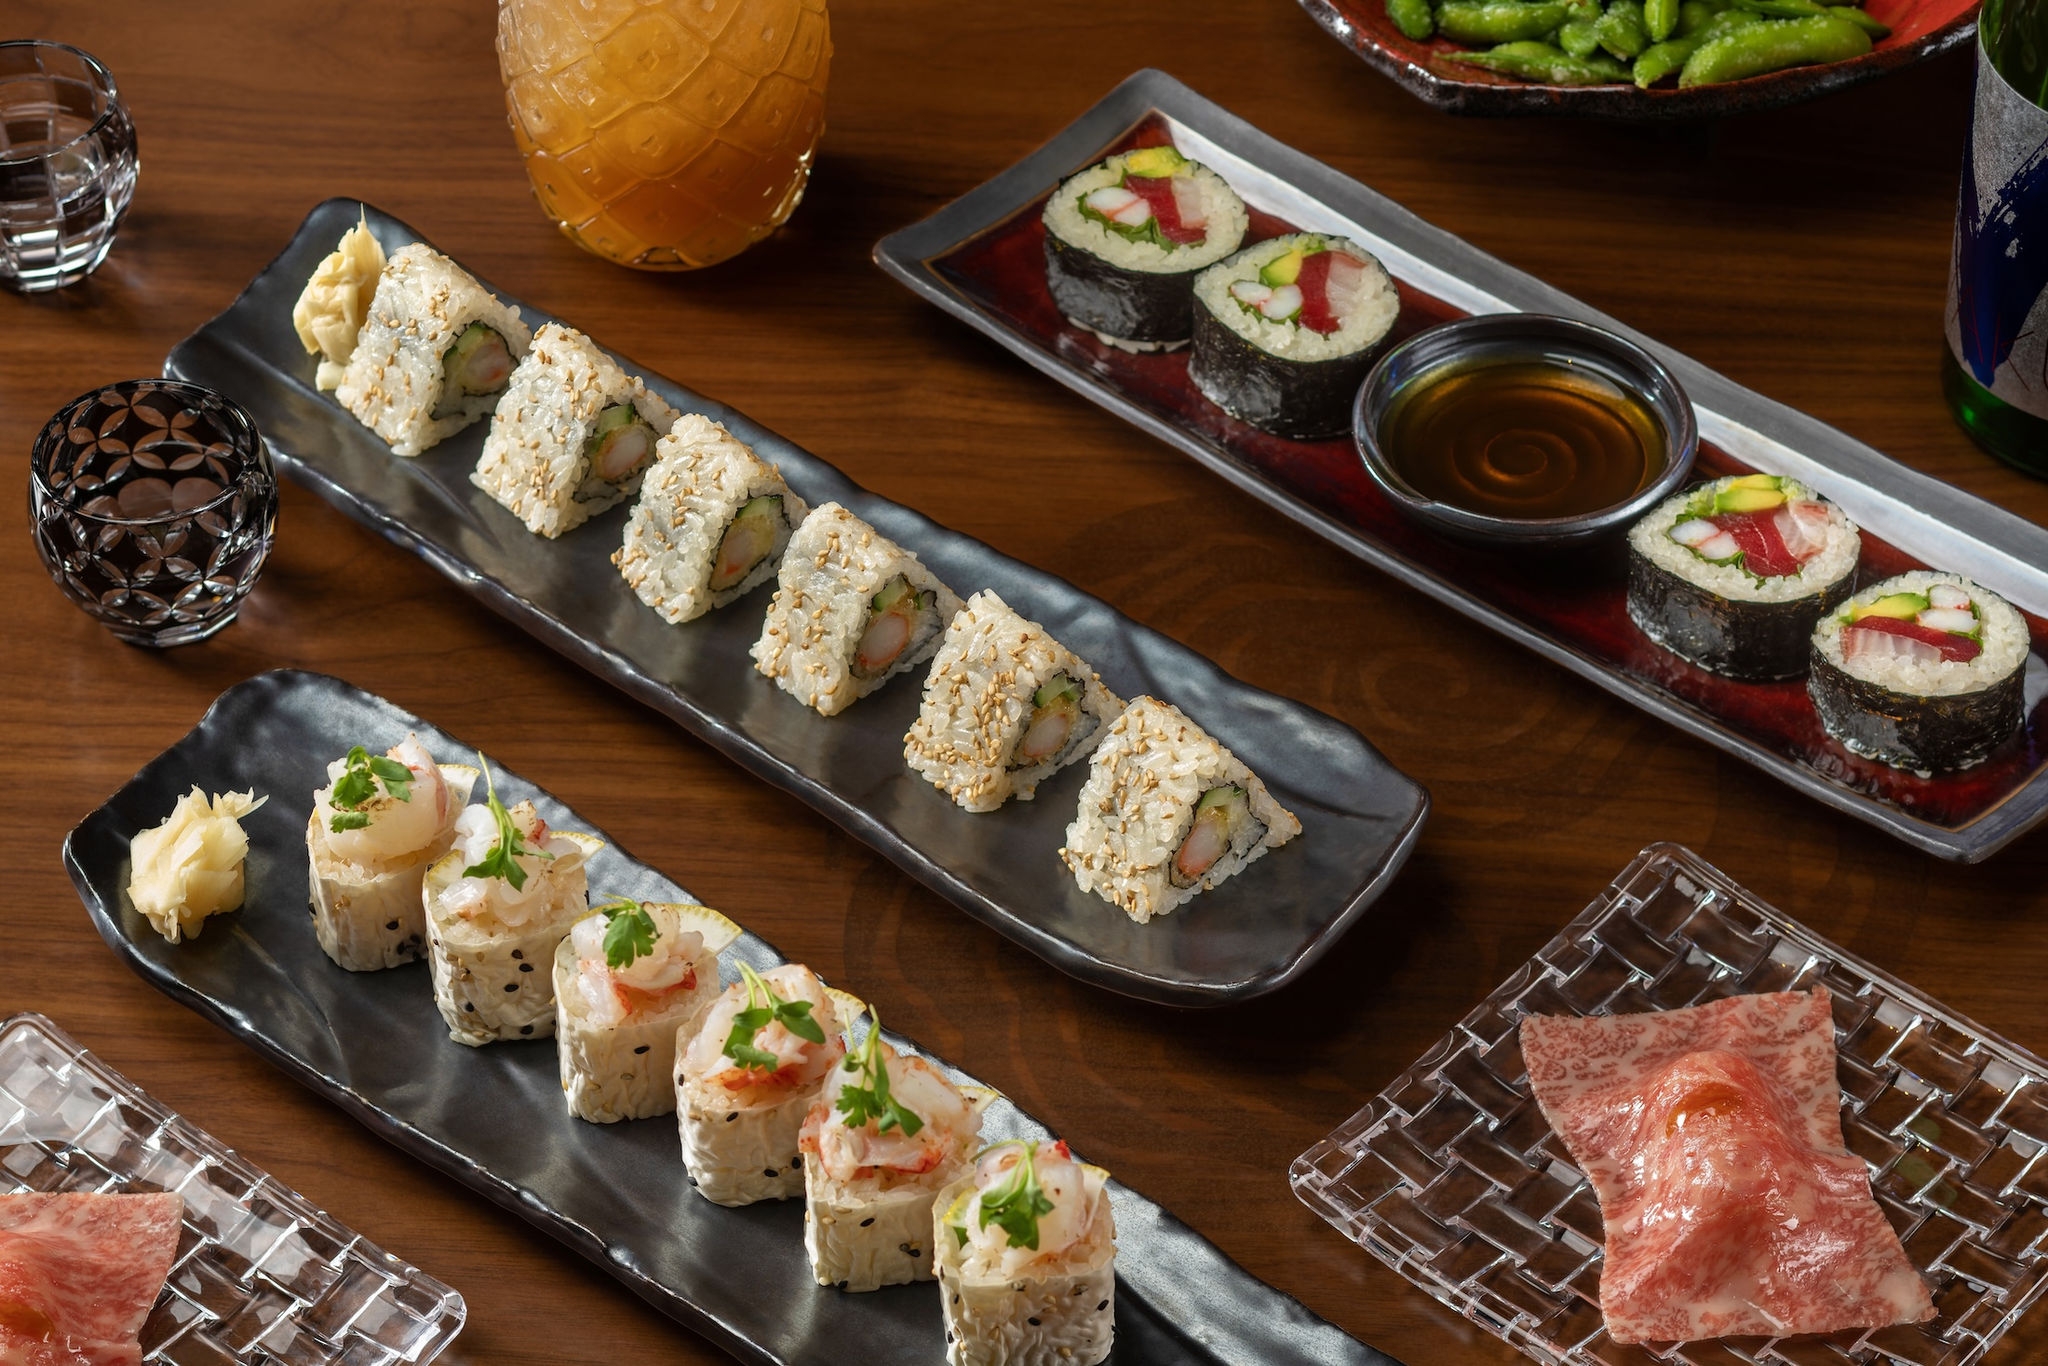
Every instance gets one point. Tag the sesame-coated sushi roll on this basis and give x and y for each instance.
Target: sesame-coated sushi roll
(376, 826)
(1167, 813)
(1005, 707)
(746, 1076)
(1735, 574)
(630, 978)
(1027, 1259)
(498, 904)
(571, 437)
(711, 525)
(1124, 238)
(852, 610)
(434, 354)
(890, 1134)
(1286, 330)
(1925, 671)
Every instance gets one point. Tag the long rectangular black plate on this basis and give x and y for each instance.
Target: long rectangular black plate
(492, 1118)
(1359, 813)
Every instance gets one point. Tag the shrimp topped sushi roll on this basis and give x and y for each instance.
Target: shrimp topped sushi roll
(1735, 574)
(852, 610)
(748, 1074)
(1124, 238)
(877, 1152)
(1027, 1259)
(629, 979)
(434, 353)
(1005, 707)
(375, 827)
(498, 904)
(1925, 671)
(1167, 813)
(711, 525)
(572, 436)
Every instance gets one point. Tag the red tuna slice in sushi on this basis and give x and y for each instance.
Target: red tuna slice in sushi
(1178, 213)
(80, 1273)
(1764, 552)
(1329, 284)
(1888, 636)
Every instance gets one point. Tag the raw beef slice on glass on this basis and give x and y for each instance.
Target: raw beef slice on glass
(79, 1274)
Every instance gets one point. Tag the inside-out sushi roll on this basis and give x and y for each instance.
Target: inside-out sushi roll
(711, 525)
(891, 1133)
(1167, 813)
(1005, 707)
(1925, 671)
(375, 827)
(1734, 574)
(572, 436)
(852, 610)
(1027, 1259)
(434, 354)
(1124, 238)
(1286, 330)
(497, 905)
(748, 1074)
(629, 980)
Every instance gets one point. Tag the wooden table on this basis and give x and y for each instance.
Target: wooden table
(1803, 253)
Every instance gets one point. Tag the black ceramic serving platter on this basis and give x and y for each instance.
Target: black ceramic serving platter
(492, 1118)
(1360, 815)
(980, 259)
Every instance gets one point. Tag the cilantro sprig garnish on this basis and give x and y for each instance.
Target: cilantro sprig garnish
(1016, 1205)
(764, 1008)
(629, 932)
(361, 774)
(503, 860)
(871, 1101)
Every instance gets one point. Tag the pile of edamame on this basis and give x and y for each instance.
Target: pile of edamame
(1599, 42)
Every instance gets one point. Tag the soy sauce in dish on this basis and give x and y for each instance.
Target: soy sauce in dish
(1522, 439)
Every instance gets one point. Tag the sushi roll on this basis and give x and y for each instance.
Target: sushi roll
(630, 978)
(1167, 813)
(1005, 707)
(892, 1133)
(1124, 238)
(1735, 574)
(1286, 330)
(852, 610)
(748, 1074)
(711, 525)
(572, 436)
(1925, 671)
(1027, 1259)
(497, 905)
(434, 354)
(375, 827)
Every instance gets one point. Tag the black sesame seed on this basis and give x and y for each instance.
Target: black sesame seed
(518, 954)
(643, 1048)
(949, 1335)
(392, 925)
(693, 1180)
(1033, 1321)
(768, 1171)
(869, 1220)
(1100, 1307)
(526, 967)
(469, 1005)
(731, 1117)
(526, 1029)
(511, 986)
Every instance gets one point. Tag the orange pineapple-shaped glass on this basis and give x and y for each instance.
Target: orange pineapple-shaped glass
(666, 134)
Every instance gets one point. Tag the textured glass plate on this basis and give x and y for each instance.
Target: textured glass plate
(492, 1118)
(1453, 1178)
(261, 1275)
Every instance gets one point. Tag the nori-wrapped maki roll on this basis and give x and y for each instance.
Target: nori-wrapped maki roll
(1734, 574)
(1124, 239)
(1925, 671)
(1286, 330)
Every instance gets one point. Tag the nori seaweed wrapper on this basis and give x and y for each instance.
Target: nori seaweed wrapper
(1137, 305)
(1756, 641)
(1924, 734)
(1304, 400)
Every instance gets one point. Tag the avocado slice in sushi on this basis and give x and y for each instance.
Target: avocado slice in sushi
(898, 615)
(749, 538)
(479, 362)
(1898, 606)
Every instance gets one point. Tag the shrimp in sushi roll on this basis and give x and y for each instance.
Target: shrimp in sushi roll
(629, 979)
(497, 905)
(375, 827)
(876, 1155)
(1027, 1253)
(747, 1076)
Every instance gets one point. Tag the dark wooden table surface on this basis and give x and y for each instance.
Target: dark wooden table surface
(1803, 253)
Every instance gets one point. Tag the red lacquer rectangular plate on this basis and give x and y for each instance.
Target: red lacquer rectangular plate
(982, 259)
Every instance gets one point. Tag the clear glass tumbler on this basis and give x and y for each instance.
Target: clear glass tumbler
(67, 164)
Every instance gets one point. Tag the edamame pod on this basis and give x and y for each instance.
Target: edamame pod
(1660, 60)
(1414, 18)
(1621, 29)
(1534, 61)
(1580, 37)
(1851, 14)
(1499, 21)
(1783, 9)
(1773, 45)
(1692, 17)
(1660, 17)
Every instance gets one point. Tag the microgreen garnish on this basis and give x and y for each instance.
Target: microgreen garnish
(1015, 1205)
(361, 774)
(764, 1008)
(872, 1101)
(503, 860)
(629, 932)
